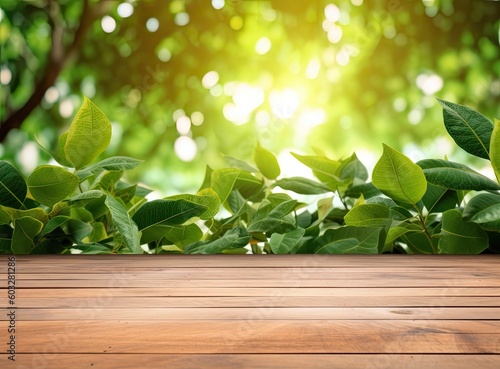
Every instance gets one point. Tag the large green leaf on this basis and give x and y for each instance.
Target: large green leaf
(286, 243)
(495, 149)
(350, 240)
(49, 184)
(168, 212)
(88, 136)
(353, 170)
(184, 235)
(302, 186)
(455, 176)
(13, 188)
(326, 170)
(485, 210)
(461, 237)
(206, 197)
(398, 177)
(266, 162)
(470, 130)
(36, 213)
(125, 225)
(25, 231)
(235, 238)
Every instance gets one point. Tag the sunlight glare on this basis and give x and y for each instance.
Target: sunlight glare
(284, 103)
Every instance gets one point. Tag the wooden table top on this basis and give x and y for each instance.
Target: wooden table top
(251, 311)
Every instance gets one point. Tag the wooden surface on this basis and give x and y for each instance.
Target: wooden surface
(254, 311)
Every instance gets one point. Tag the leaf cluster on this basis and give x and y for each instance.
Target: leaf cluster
(434, 206)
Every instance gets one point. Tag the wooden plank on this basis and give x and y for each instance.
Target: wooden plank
(253, 361)
(257, 291)
(266, 273)
(257, 336)
(264, 313)
(262, 261)
(414, 281)
(107, 301)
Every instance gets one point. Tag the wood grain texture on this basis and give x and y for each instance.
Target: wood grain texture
(248, 311)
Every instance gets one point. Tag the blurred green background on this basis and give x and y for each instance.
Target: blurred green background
(185, 81)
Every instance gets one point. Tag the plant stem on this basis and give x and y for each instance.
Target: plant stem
(424, 228)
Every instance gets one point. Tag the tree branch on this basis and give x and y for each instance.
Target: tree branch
(58, 58)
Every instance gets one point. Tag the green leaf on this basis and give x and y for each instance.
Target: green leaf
(92, 249)
(455, 176)
(324, 169)
(353, 170)
(223, 181)
(37, 213)
(277, 217)
(373, 215)
(240, 164)
(182, 236)
(461, 237)
(25, 231)
(439, 199)
(349, 240)
(266, 162)
(206, 197)
(302, 186)
(53, 224)
(115, 163)
(88, 136)
(87, 195)
(484, 209)
(286, 243)
(398, 177)
(235, 238)
(495, 149)
(470, 129)
(49, 184)
(13, 188)
(60, 156)
(126, 227)
(76, 229)
(126, 194)
(168, 212)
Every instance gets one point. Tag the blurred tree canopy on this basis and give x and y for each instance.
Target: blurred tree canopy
(183, 81)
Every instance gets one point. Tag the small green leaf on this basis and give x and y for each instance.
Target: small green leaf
(168, 212)
(223, 181)
(398, 177)
(470, 130)
(60, 156)
(455, 176)
(277, 217)
(266, 162)
(326, 170)
(302, 186)
(88, 136)
(87, 195)
(92, 249)
(25, 231)
(495, 149)
(49, 184)
(206, 197)
(13, 188)
(182, 236)
(461, 237)
(53, 224)
(126, 226)
(484, 209)
(373, 215)
(235, 238)
(115, 163)
(240, 164)
(349, 240)
(439, 199)
(286, 243)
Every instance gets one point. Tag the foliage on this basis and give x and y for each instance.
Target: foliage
(415, 208)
